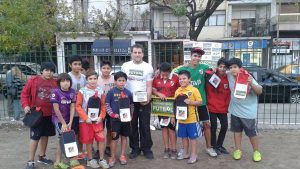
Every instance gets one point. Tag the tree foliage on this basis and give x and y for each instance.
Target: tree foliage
(197, 11)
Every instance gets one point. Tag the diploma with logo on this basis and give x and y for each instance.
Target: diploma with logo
(214, 80)
(93, 114)
(124, 109)
(241, 87)
(139, 96)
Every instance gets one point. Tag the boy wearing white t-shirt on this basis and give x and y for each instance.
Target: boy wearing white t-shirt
(140, 77)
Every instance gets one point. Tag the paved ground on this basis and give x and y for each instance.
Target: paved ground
(280, 149)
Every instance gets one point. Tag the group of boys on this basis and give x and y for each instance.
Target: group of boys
(204, 108)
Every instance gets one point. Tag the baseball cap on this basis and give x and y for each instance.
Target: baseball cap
(197, 50)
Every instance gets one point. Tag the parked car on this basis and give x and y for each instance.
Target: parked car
(291, 70)
(28, 68)
(277, 88)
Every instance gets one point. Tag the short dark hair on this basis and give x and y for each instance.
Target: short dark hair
(62, 77)
(137, 46)
(85, 64)
(48, 65)
(75, 58)
(165, 67)
(119, 75)
(222, 60)
(235, 61)
(197, 50)
(90, 73)
(185, 72)
(106, 62)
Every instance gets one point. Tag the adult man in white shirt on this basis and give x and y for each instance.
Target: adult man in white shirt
(140, 77)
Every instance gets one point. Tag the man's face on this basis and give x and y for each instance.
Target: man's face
(234, 69)
(195, 58)
(47, 74)
(76, 66)
(137, 55)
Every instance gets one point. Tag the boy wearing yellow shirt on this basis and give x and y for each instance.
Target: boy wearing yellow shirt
(189, 129)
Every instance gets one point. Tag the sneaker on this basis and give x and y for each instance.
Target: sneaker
(256, 156)
(74, 163)
(103, 164)
(148, 154)
(123, 160)
(237, 154)
(173, 155)
(92, 163)
(107, 151)
(61, 165)
(111, 162)
(134, 154)
(181, 151)
(217, 151)
(192, 159)
(30, 165)
(223, 150)
(45, 160)
(182, 155)
(211, 152)
(166, 154)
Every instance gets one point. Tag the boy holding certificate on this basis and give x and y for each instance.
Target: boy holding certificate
(164, 86)
(188, 129)
(243, 109)
(119, 106)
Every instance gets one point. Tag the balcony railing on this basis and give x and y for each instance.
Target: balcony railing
(250, 29)
(170, 32)
(289, 18)
(139, 25)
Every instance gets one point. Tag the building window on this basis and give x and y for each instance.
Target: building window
(216, 19)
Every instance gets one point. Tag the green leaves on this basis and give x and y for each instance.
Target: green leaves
(179, 9)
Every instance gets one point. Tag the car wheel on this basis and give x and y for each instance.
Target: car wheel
(295, 98)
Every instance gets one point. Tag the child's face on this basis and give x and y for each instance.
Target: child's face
(76, 66)
(165, 75)
(120, 83)
(92, 80)
(195, 58)
(105, 70)
(234, 69)
(184, 81)
(221, 69)
(47, 74)
(65, 85)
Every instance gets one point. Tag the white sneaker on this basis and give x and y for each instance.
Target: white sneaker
(103, 164)
(211, 152)
(93, 163)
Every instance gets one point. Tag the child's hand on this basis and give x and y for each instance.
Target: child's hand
(99, 120)
(173, 121)
(89, 121)
(117, 116)
(250, 78)
(27, 109)
(69, 126)
(161, 96)
(188, 101)
(64, 127)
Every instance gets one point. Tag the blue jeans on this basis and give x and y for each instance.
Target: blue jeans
(17, 109)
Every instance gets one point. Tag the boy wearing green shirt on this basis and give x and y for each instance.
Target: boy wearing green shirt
(197, 71)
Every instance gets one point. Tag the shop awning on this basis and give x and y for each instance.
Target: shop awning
(101, 47)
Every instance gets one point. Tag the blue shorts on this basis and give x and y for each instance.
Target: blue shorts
(191, 131)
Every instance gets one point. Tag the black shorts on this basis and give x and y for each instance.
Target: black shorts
(75, 125)
(45, 128)
(121, 128)
(106, 122)
(203, 113)
(170, 126)
(239, 124)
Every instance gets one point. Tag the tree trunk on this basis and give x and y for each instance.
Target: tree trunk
(111, 45)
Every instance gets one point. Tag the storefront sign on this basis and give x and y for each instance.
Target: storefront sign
(101, 47)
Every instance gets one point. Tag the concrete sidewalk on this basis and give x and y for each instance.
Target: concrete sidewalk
(280, 150)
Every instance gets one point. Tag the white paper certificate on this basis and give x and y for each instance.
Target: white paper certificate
(93, 114)
(240, 91)
(164, 121)
(181, 113)
(139, 96)
(214, 80)
(71, 149)
(125, 115)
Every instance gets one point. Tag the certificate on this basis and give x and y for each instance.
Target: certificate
(93, 114)
(164, 122)
(71, 149)
(163, 107)
(214, 80)
(125, 115)
(139, 96)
